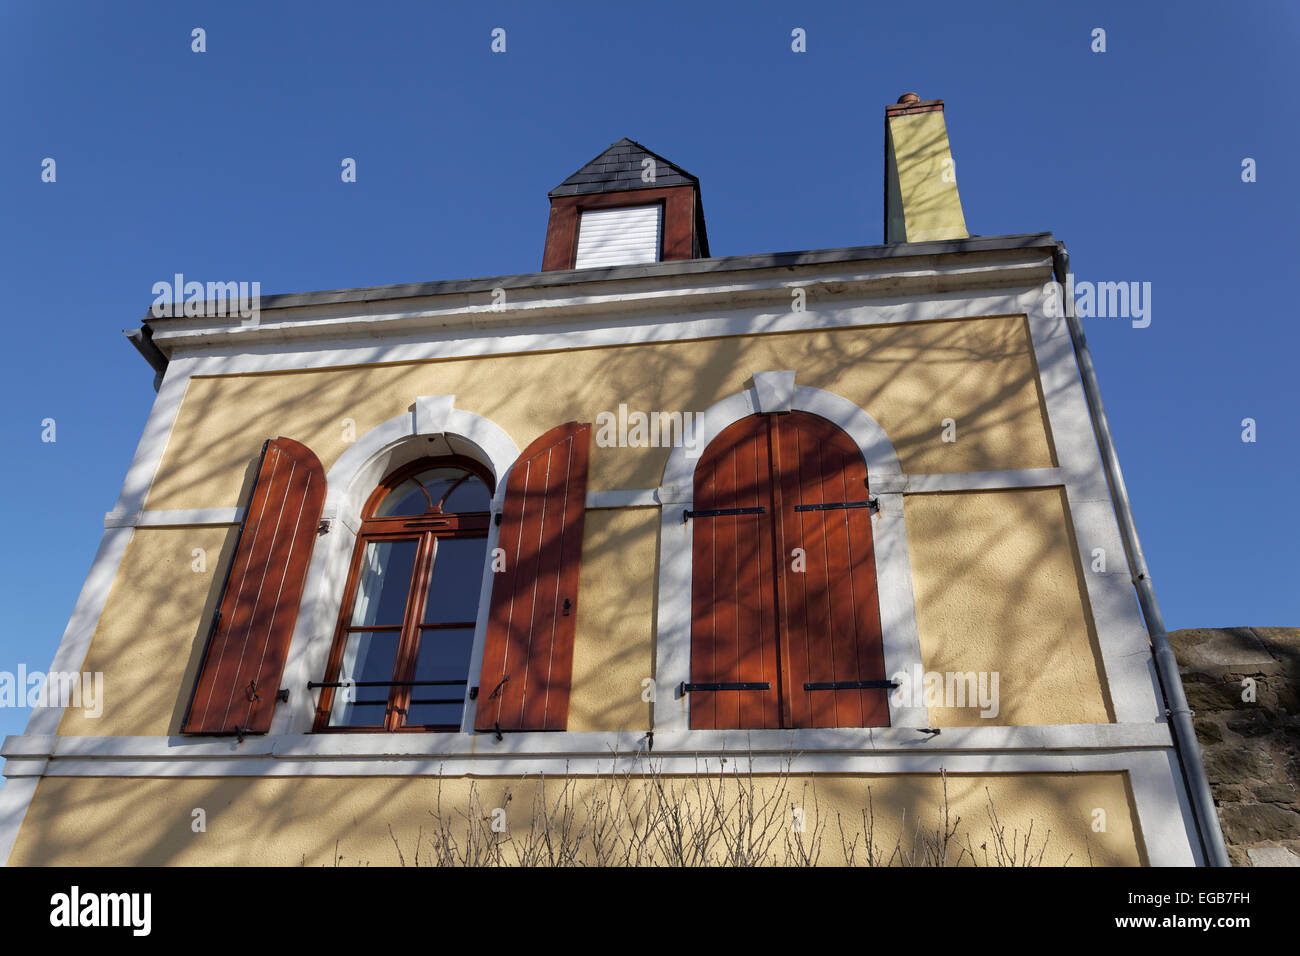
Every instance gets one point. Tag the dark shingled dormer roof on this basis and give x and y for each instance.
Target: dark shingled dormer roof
(619, 168)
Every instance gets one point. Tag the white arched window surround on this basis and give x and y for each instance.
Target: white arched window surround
(432, 427)
(777, 392)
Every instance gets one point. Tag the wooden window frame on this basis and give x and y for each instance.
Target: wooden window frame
(425, 530)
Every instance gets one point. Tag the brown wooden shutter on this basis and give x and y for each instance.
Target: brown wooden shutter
(733, 622)
(528, 652)
(830, 612)
(754, 619)
(245, 656)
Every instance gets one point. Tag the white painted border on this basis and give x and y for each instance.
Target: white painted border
(349, 483)
(77, 636)
(609, 327)
(76, 639)
(424, 328)
(903, 741)
(15, 797)
(189, 517)
(1125, 646)
(777, 391)
(631, 498)
(974, 481)
(649, 497)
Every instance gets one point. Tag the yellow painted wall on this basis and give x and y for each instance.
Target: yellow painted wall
(150, 650)
(149, 641)
(980, 372)
(999, 587)
(911, 377)
(613, 649)
(93, 821)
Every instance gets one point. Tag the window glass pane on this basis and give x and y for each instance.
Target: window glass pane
(438, 481)
(470, 495)
(406, 499)
(443, 655)
(383, 583)
(454, 584)
(367, 656)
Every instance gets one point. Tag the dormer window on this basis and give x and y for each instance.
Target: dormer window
(626, 207)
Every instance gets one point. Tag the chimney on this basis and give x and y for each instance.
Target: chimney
(921, 201)
(627, 206)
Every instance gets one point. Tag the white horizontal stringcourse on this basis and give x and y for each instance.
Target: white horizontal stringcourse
(647, 497)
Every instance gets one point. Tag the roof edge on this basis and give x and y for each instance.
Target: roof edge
(897, 250)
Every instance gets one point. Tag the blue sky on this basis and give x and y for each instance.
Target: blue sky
(226, 164)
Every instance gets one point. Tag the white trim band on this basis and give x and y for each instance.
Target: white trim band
(485, 748)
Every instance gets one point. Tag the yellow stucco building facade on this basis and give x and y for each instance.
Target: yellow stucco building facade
(1001, 668)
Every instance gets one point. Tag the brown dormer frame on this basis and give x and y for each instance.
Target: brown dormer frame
(677, 241)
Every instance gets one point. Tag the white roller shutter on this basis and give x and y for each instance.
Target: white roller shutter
(619, 237)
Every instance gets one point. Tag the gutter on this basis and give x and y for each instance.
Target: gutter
(142, 339)
(1180, 715)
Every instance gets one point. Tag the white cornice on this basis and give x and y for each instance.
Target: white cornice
(533, 309)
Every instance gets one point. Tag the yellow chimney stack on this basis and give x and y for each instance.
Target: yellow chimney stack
(921, 201)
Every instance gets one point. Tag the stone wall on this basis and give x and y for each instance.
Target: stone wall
(1243, 684)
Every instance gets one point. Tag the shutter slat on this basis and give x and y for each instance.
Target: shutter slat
(528, 651)
(619, 236)
(245, 656)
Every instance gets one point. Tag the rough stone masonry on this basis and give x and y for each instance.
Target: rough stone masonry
(1251, 747)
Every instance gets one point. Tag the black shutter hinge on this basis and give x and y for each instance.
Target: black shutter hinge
(850, 685)
(841, 505)
(687, 515)
(685, 688)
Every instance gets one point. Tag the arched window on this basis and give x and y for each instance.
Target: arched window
(401, 652)
(785, 628)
